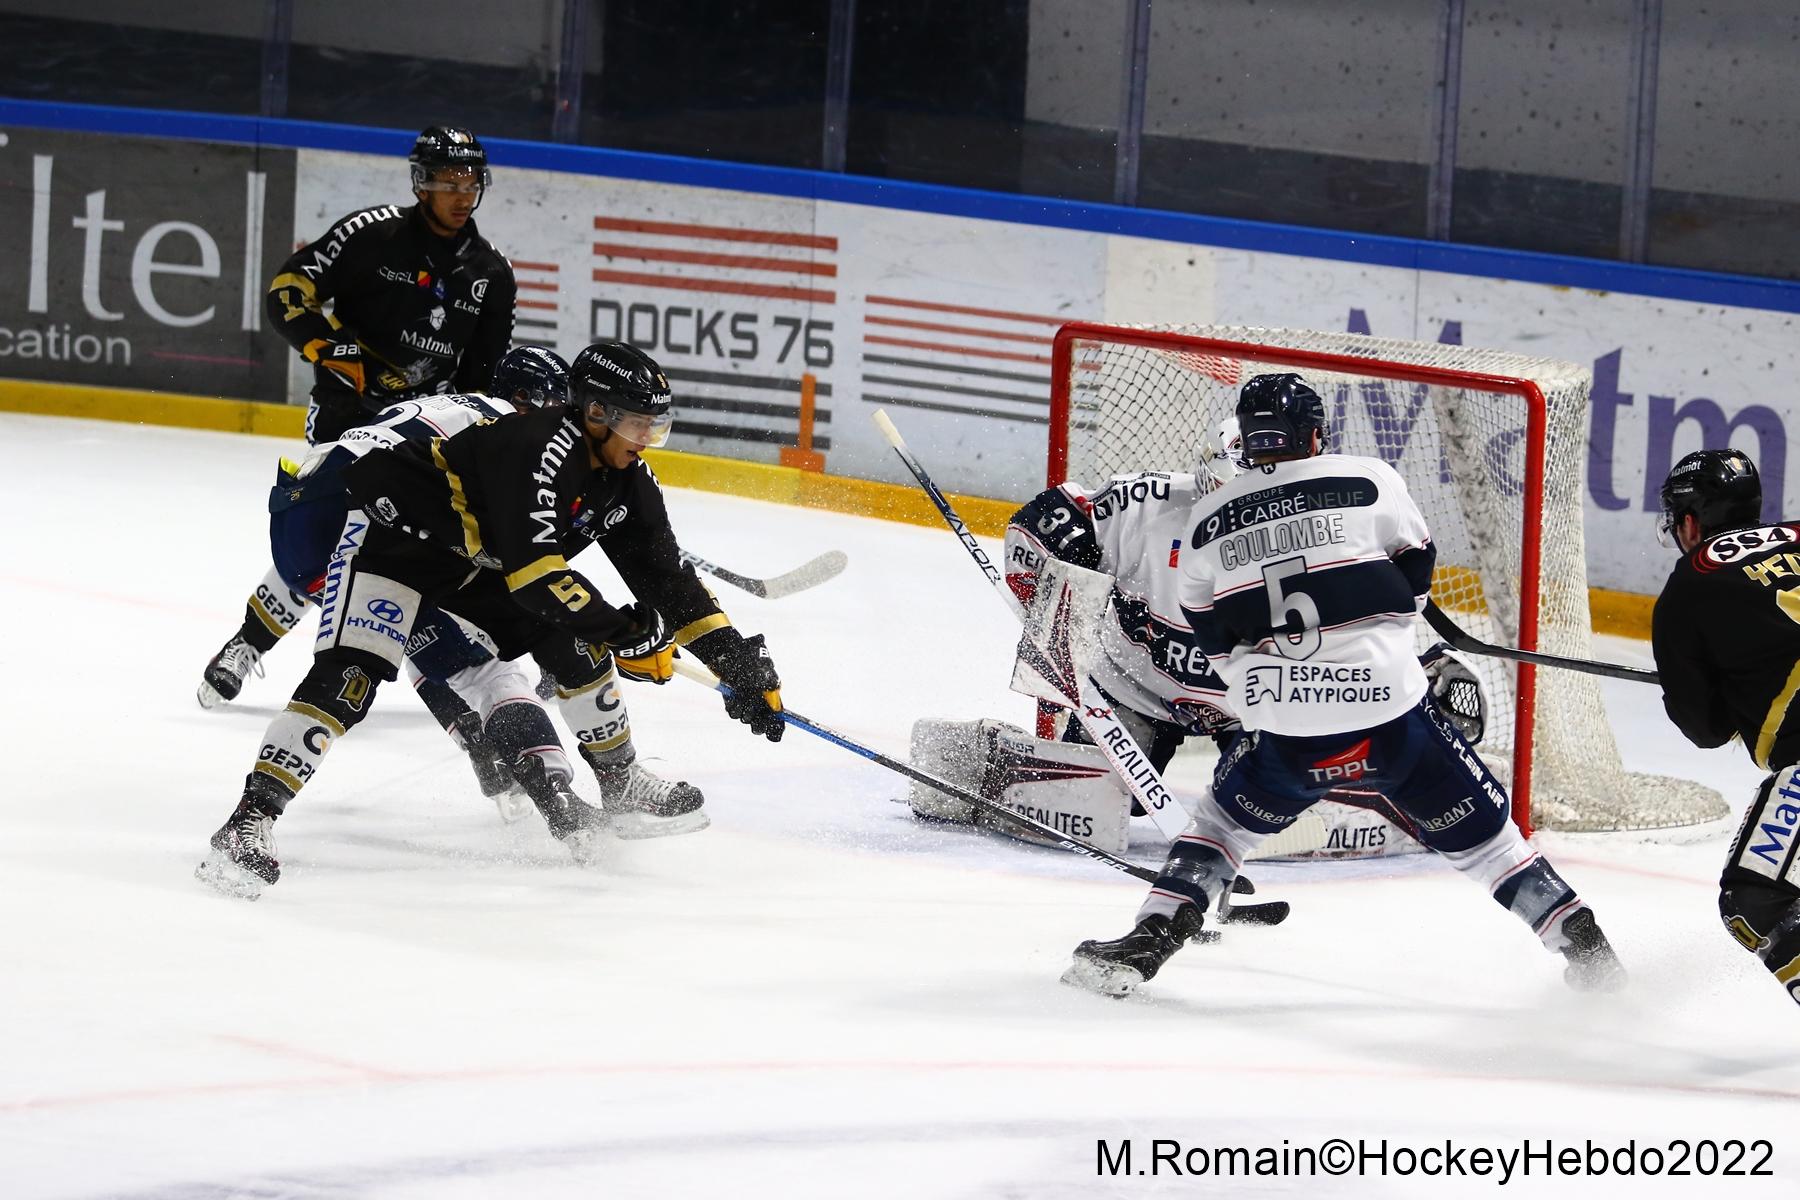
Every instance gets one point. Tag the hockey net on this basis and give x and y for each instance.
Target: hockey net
(1492, 446)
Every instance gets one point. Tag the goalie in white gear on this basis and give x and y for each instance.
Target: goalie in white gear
(1161, 684)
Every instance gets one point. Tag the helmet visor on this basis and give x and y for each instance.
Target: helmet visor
(458, 181)
(643, 429)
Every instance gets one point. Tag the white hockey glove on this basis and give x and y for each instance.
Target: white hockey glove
(1456, 691)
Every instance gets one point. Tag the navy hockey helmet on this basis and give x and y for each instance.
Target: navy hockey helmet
(619, 386)
(539, 374)
(1277, 416)
(442, 147)
(1719, 487)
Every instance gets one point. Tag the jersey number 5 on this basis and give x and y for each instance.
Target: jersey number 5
(570, 593)
(1284, 607)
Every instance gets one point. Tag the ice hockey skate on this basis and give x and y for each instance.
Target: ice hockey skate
(224, 676)
(642, 805)
(242, 861)
(491, 771)
(1116, 968)
(573, 821)
(1593, 967)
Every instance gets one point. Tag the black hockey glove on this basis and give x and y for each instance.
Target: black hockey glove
(743, 665)
(366, 377)
(646, 652)
(1456, 691)
(342, 359)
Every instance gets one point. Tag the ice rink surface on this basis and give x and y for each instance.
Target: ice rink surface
(814, 998)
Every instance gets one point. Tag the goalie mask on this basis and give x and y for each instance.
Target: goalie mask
(1222, 453)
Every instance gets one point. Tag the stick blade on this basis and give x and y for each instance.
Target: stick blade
(1272, 912)
(828, 565)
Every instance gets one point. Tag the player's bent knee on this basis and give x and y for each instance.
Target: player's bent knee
(1765, 920)
(575, 664)
(342, 685)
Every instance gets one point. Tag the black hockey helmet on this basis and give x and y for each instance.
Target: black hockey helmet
(617, 385)
(1719, 487)
(1277, 416)
(540, 374)
(442, 147)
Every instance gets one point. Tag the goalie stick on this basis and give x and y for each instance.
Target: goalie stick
(1273, 912)
(1459, 639)
(808, 574)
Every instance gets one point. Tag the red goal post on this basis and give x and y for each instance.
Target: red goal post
(1493, 447)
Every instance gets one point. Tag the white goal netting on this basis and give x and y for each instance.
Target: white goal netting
(1456, 423)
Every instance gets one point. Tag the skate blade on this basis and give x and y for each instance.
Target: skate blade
(209, 697)
(633, 826)
(514, 805)
(218, 872)
(1596, 976)
(587, 847)
(1102, 978)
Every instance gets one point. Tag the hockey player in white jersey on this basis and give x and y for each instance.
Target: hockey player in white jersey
(1301, 582)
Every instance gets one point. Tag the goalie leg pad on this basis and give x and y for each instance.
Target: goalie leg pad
(1069, 787)
(956, 751)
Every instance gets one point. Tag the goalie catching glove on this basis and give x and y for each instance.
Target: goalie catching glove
(1456, 691)
(743, 665)
(647, 653)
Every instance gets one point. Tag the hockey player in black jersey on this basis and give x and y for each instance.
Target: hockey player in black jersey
(1726, 635)
(420, 301)
(306, 515)
(1302, 580)
(481, 525)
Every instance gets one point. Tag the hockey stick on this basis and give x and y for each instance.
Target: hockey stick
(808, 574)
(1459, 639)
(1078, 691)
(1272, 913)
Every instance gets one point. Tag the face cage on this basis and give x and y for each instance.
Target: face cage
(640, 429)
